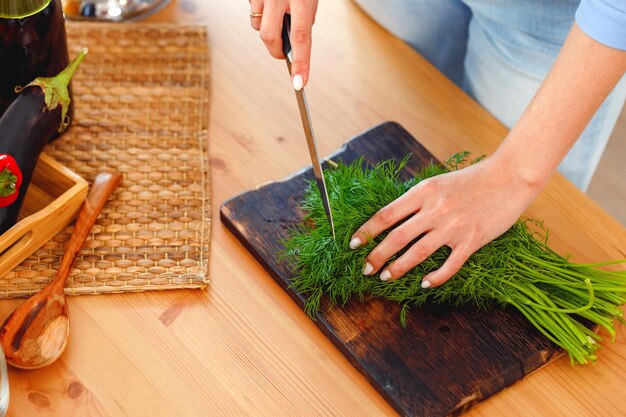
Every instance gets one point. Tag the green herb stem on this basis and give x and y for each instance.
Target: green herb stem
(559, 298)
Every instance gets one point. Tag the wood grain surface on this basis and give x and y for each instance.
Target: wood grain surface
(471, 353)
(243, 347)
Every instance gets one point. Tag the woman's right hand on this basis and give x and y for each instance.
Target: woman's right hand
(270, 25)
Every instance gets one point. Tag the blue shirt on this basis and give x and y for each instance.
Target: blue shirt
(604, 21)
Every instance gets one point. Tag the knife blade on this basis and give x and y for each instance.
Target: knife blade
(308, 127)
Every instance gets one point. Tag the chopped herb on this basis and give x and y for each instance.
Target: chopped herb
(519, 269)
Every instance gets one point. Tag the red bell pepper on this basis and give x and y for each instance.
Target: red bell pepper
(10, 180)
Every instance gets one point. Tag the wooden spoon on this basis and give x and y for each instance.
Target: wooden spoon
(36, 333)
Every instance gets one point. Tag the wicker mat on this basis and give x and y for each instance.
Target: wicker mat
(141, 98)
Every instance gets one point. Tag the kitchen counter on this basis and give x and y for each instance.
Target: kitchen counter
(242, 347)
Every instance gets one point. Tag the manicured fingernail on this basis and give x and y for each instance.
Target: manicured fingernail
(425, 284)
(298, 82)
(368, 268)
(355, 243)
(385, 275)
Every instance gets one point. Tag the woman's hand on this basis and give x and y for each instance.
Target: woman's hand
(468, 208)
(270, 25)
(464, 210)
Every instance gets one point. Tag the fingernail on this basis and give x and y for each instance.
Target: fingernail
(368, 268)
(425, 284)
(385, 275)
(298, 82)
(355, 243)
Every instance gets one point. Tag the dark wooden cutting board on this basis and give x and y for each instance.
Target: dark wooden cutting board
(448, 358)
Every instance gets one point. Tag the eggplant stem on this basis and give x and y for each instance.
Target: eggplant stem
(55, 89)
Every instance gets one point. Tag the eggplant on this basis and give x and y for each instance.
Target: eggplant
(32, 119)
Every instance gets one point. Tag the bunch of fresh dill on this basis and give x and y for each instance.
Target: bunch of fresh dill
(517, 269)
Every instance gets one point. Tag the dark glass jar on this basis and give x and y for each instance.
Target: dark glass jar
(33, 43)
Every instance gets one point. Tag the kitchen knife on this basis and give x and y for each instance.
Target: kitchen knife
(308, 128)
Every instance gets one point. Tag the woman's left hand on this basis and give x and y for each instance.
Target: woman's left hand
(464, 209)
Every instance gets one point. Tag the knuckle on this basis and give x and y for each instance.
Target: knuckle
(399, 268)
(398, 237)
(473, 235)
(276, 54)
(444, 207)
(419, 252)
(444, 213)
(268, 37)
(376, 258)
(426, 185)
(386, 215)
(300, 63)
(444, 210)
(300, 34)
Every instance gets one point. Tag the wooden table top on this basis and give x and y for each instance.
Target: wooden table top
(242, 347)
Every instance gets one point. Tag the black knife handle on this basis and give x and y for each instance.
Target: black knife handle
(285, 36)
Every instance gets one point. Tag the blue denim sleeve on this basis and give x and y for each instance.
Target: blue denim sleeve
(604, 21)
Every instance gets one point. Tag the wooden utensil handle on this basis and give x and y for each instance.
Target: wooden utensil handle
(103, 186)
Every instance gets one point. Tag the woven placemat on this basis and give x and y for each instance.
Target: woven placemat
(141, 107)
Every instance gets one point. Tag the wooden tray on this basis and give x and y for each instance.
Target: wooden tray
(447, 359)
(52, 201)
